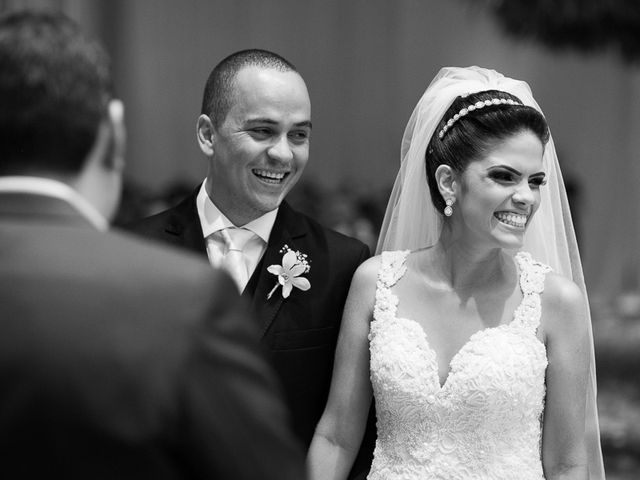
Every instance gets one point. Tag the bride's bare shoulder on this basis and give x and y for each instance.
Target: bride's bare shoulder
(563, 304)
(561, 292)
(365, 277)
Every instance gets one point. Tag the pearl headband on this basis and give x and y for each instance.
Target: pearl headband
(471, 108)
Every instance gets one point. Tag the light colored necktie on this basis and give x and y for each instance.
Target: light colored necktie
(234, 261)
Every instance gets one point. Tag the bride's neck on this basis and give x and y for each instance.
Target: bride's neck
(464, 267)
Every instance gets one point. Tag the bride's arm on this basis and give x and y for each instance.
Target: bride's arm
(339, 433)
(563, 436)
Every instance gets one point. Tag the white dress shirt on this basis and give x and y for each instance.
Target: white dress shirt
(53, 188)
(213, 220)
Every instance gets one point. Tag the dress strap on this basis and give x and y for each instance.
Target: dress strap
(532, 275)
(392, 268)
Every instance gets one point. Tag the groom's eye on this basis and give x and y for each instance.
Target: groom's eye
(299, 136)
(260, 132)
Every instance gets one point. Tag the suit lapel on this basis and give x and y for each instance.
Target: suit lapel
(286, 231)
(183, 225)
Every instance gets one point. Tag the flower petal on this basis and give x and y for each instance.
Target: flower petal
(286, 289)
(297, 269)
(289, 259)
(301, 283)
(275, 269)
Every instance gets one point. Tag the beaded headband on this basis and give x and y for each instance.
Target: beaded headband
(471, 108)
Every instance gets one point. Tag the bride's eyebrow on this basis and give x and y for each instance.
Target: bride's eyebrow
(504, 167)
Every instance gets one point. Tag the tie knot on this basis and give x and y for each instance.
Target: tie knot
(236, 238)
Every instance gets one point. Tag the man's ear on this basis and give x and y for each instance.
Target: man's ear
(100, 180)
(447, 182)
(108, 148)
(204, 132)
(118, 143)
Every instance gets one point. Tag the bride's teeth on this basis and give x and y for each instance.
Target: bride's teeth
(512, 219)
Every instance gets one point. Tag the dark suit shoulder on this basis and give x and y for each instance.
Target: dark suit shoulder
(112, 296)
(335, 239)
(178, 261)
(172, 218)
(157, 221)
(178, 226)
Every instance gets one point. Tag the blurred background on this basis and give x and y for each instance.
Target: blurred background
(366, 63)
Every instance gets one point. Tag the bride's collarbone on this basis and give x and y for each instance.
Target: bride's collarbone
(491, 280)
(437, 289)
(441, 308)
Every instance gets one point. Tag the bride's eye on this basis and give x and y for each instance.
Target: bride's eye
(538, 182)
(501, 176)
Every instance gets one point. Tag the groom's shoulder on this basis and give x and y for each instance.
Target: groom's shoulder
(170, 217)
(335, 241)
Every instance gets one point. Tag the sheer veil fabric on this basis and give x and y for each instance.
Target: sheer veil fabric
(411, 221)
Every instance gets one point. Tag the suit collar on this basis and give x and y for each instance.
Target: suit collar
(40, 209)
(184, 224)
(27, 195)
(286, 226)
(212, 219)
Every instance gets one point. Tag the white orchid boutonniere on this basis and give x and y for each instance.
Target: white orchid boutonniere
(294, 264)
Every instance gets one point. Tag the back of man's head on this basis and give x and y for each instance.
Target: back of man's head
(55, 87)
(219, 92)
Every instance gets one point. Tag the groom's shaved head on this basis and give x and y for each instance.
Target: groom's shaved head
(219, 91)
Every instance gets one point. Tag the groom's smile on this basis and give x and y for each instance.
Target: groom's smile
(262, 147)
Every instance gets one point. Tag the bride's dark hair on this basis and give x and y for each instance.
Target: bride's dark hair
(465, 135)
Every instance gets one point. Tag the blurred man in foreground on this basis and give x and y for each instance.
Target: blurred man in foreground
(117, 359)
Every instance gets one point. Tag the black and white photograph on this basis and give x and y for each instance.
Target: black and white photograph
(320, 239)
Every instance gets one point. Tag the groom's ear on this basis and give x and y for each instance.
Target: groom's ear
(446, 180)
(204, 133)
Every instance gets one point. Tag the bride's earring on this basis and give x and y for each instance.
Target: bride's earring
(448, 210)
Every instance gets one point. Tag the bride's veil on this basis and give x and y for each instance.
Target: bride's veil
(411, 221)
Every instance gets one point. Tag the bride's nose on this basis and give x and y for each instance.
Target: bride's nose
(524, 195)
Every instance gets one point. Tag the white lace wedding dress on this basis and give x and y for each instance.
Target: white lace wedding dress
(484, 423)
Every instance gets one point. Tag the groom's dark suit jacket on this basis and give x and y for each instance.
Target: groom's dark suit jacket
(299, 332)
(120, 359)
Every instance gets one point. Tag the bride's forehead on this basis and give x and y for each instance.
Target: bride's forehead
(521, 151)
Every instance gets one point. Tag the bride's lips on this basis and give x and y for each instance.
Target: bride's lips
(516, 220)
(269, 176)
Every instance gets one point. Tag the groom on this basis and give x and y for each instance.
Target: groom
(254, 129)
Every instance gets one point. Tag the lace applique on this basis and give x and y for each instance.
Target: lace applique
(391, 270)
(532, 285)
(484, 422)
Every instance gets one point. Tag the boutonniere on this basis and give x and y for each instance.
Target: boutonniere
(294, 264)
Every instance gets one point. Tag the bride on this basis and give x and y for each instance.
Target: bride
(471, 329)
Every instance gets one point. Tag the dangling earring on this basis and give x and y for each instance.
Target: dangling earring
(448, 210)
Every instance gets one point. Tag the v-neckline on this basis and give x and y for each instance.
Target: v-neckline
(472, 338)
(442, 384)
